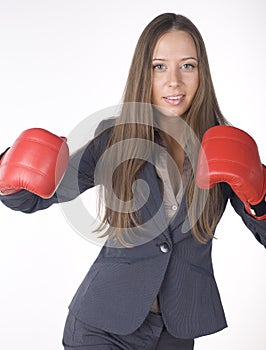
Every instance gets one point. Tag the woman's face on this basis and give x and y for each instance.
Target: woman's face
(175, 78)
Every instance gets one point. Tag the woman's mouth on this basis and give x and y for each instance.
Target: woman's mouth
(174, 99)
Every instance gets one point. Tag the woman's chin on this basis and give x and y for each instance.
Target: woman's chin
(170, 112)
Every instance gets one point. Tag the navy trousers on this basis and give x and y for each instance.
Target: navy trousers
(151, 335)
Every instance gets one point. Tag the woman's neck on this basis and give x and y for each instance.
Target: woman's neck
(171, 128)
(172, 131)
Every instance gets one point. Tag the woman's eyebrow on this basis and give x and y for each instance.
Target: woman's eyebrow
(183, 59)
(159, 59)
(190, 58)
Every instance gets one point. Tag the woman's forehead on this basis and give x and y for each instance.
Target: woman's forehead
(174, 43)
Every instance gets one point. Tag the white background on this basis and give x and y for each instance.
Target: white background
(62, 60)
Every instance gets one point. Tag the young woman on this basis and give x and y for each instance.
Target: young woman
(152, 285)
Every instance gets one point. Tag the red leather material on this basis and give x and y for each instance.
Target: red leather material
(230, 155)
(36, 162)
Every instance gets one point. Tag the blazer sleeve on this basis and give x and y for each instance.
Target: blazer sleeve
(257, 227)
(78, 178)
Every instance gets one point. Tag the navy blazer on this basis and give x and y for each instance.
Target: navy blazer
(118, 291)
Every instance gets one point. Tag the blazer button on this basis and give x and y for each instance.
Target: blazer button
(164, 247)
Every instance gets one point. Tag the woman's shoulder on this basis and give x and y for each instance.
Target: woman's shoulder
(105, 126)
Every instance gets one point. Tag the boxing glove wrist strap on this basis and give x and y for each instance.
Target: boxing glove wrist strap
(260, 209)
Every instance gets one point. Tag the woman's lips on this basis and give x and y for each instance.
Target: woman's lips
(174, 99)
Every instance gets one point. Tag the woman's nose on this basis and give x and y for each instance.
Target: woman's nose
(174, 78)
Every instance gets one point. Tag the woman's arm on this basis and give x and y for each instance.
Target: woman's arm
(79, 177)
(230, 155)
(257, 227)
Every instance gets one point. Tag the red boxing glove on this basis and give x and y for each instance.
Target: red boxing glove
(36, 162)
(230, 155)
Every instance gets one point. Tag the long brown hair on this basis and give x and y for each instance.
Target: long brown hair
(135, 123)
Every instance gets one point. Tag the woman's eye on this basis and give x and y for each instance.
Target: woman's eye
(188, 66)
(159, 67)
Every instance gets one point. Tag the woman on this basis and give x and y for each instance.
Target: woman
(152, 285)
